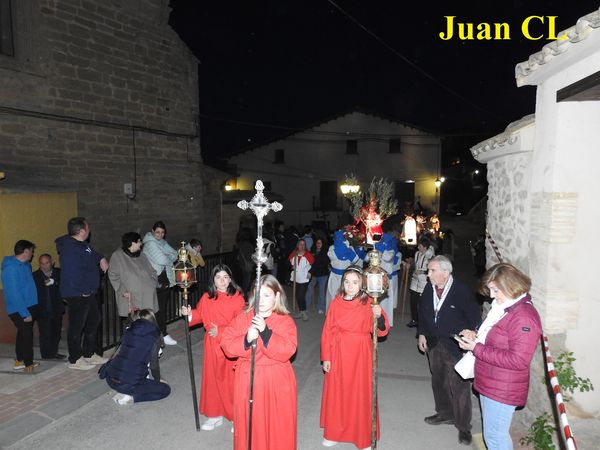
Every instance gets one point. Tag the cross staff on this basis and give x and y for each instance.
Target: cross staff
(260, 206)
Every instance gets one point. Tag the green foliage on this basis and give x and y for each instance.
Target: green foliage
(380, 195)
(541, 430)
(567, 378)
(540, 433)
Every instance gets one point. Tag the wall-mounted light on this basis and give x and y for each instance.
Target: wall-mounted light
(476, 171)
(230, 184)
(437, 183)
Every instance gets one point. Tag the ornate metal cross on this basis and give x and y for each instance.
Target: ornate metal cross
(260, 206)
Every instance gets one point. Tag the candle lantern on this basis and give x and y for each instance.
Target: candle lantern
(185, 277)
(185, 274)
(375, 279)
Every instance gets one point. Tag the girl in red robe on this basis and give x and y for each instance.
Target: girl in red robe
(216, 309)
(347, 355)
(274, 393)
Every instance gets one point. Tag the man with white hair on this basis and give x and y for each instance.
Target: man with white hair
(447, 307)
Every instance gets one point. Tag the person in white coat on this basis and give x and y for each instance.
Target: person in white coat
(161, 256)
(388, 247)
(418, 279)
(341, 256)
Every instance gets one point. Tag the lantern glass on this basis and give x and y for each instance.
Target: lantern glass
(374, 284)
(185, 274)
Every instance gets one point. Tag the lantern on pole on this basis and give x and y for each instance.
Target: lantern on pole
(185, 277)
(375, 284)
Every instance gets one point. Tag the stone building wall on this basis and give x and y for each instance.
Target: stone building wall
(102, 93)
(508, 209)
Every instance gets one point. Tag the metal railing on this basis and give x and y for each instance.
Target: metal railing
(111, 327)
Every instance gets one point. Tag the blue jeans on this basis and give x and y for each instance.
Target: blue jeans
(145, 391)
(321, 283)
(496, 419)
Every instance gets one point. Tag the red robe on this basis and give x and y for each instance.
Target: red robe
(274, 400)
(216, 394)
(346, 341)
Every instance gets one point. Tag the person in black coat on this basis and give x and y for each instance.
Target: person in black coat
(50, 308)
(447, 306)
(127, 371)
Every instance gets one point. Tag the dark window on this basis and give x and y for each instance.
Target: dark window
(328, 195)
(352, 147)
(395, 146)
(6, 31)
(279, 156)
(405, 192)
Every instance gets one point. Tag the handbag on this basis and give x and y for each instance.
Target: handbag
(465, 367)
(163, 280)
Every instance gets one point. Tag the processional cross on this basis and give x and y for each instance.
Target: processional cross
(260, 206)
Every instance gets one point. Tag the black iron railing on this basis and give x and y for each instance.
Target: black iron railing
(111, 327)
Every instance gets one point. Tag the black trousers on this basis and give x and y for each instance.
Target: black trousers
(301, 295)
(84, 318)
(451, 393)
(161, 314)
(414, 305)
(50, 328)
(24, 343)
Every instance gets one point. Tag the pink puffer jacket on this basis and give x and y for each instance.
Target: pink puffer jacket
(502, 363)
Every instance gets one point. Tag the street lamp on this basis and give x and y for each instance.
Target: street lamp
(348, 188)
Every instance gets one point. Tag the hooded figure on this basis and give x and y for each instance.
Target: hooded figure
(341, 256)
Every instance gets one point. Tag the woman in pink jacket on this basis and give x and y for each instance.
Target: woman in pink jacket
(503, 347)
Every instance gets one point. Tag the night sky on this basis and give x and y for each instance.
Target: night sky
(268, 68)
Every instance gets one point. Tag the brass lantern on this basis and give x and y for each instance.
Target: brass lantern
(185, 274)
(375, 279)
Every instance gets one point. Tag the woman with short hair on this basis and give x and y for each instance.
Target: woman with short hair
(503, 348)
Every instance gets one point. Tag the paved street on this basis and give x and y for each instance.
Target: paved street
(86, 417)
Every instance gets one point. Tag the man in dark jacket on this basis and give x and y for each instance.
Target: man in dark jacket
(50, 309)
(80, 279)
(447, 307)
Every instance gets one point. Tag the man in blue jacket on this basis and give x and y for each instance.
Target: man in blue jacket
(447, 307)
(20, 299)
(80, 279)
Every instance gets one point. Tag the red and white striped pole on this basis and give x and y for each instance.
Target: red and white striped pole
(566, 428)
(493, 245)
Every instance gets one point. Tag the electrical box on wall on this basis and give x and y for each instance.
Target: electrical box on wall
(128, 189)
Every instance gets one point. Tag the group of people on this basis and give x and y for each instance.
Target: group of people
(445, 313)
(141, 279)
(500, 349)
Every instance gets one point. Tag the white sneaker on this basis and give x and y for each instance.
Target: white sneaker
(212, 423)
(81, 364)
(328, 443)
(304, 315)
(169, 340)
(95, 360)
(321, 311)
(123, 399)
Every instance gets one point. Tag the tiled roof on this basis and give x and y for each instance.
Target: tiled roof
(508, 136)
(577, 33)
